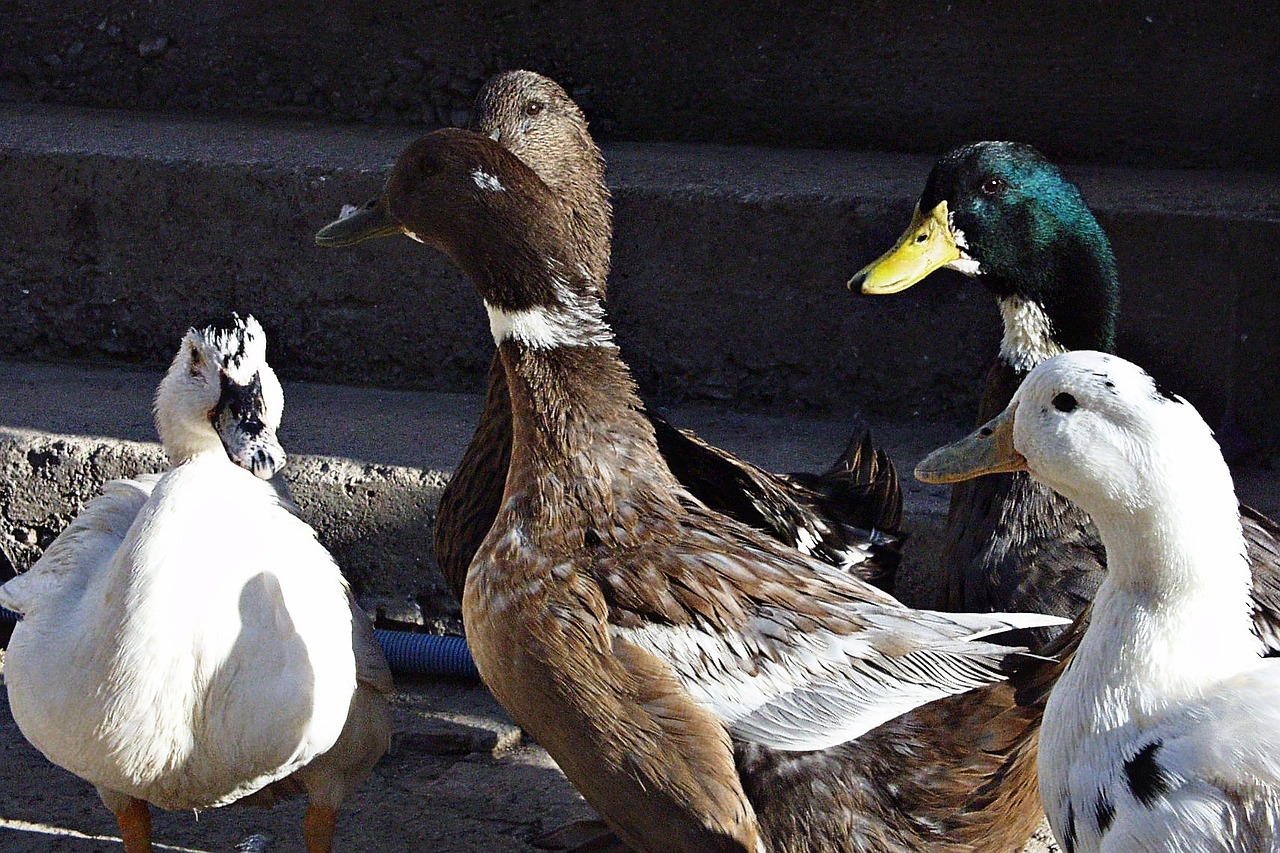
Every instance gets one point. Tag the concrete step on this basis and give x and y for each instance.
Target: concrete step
(367, 467)
(122, 228)
(1155, 82)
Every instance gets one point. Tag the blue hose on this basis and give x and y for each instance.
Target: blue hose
(427, 654)
(407, 653)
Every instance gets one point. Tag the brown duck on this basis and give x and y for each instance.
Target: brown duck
(849, 516)
(703, 686)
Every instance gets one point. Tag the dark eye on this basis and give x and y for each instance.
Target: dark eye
(1064, 402)
(991, 186)
(533, 108)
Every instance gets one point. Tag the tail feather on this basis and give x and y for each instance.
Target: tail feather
(861, 488)
(824, 515)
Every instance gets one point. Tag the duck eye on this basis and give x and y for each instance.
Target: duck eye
(1064, 402)
(533, 108)
(991, 186)
(195, 361)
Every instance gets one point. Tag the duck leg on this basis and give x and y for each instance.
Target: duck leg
(318, 827)
(134, 820)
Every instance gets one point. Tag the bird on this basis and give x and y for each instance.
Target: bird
(1003, 214)
(850, 515)
(187, 641)
(702, 685)
(1164, 731)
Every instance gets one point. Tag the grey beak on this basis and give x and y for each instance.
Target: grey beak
(249, 442)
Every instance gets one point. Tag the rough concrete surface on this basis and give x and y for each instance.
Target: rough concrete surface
(458, 778)
(1158, 82)
(367, 466)
(120, 229)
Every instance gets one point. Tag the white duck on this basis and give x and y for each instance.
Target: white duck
(1164, 732)
(187, 641)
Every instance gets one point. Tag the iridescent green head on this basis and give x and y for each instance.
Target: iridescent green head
(1001, 212)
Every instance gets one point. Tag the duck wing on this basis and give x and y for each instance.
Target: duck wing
(823, 515)
(788, 652)
(1262, 541)
(1014, 544)
(849, 516)
(87, 544)
(470, 500)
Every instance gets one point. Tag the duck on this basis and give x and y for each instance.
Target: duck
(187, 642)
(1164, 732)
(849, 515)
(704, 686)
(1003, 214)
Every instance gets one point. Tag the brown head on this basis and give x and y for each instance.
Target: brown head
(478, 203)
(532, 116)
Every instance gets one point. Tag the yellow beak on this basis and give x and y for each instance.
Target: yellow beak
(989, 450)
(927, 244)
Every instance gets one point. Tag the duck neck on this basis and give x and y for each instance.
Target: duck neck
(581, 450)
(1173, 613)
(184, 441)
(1066, 299)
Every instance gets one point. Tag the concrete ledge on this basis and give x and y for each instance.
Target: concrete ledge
(368, 466)
(727, 285)
(375, 519)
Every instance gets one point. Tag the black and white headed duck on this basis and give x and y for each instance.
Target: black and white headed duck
(1003, 214)
(703, 686)
(848, 516)
(1164, 732)
(186, 641)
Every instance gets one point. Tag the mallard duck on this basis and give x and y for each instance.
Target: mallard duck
(849, 516)
(186, 641)
(704, 687)
(1164, 733)
(1002, 213)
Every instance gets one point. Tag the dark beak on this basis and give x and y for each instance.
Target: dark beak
(357, 224)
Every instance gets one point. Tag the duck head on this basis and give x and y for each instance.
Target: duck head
(1002, 213)
(220, 394)
(534, 118)
(1097, 429)
(479, 204)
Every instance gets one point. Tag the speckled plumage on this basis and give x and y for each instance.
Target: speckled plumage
(657, 648)
(1163, 733)
(849, 516)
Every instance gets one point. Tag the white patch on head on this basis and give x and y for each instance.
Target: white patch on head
(348, 211)
(487, 182)
(964, 264)
(1028, 334)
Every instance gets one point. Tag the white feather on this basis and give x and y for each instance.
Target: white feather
(1168, 674)
(187, 640)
